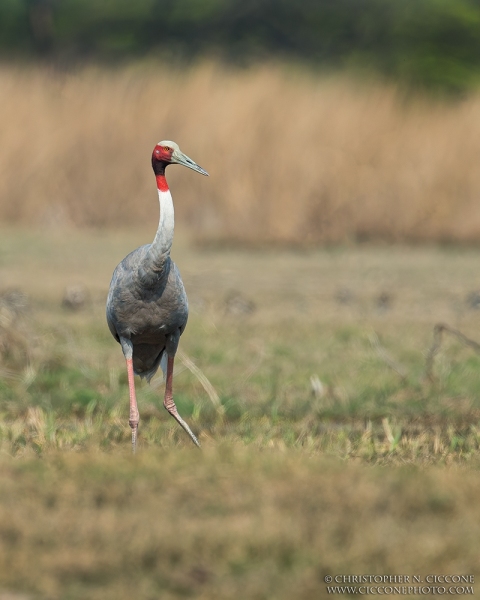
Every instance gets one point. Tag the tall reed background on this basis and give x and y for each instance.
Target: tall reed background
(293, 158)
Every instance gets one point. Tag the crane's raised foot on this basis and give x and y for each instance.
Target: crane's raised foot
(169, 403)
(179, 420)
(172, 409)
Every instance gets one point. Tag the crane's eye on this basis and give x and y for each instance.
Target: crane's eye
(166, 148)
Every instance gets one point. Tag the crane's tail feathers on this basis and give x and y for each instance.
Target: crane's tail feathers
(149, 374)
(147, 368)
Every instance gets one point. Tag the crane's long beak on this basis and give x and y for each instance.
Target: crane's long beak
(181, 159)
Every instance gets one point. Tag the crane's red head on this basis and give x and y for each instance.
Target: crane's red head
(168, 153)
(162, 153)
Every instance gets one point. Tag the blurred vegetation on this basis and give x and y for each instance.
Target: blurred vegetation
(432, 43)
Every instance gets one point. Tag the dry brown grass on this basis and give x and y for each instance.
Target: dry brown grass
(292, 158)
(226, 523)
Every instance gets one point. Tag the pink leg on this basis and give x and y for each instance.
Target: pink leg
(134, 416)
(170, 404)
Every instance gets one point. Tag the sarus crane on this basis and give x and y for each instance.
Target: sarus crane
(147, 307)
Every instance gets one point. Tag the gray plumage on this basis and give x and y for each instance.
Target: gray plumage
(147, 307)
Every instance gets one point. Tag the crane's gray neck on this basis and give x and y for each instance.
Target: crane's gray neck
(159, 251)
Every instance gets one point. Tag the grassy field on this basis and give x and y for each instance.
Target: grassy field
(294, 158)
(331, 451)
